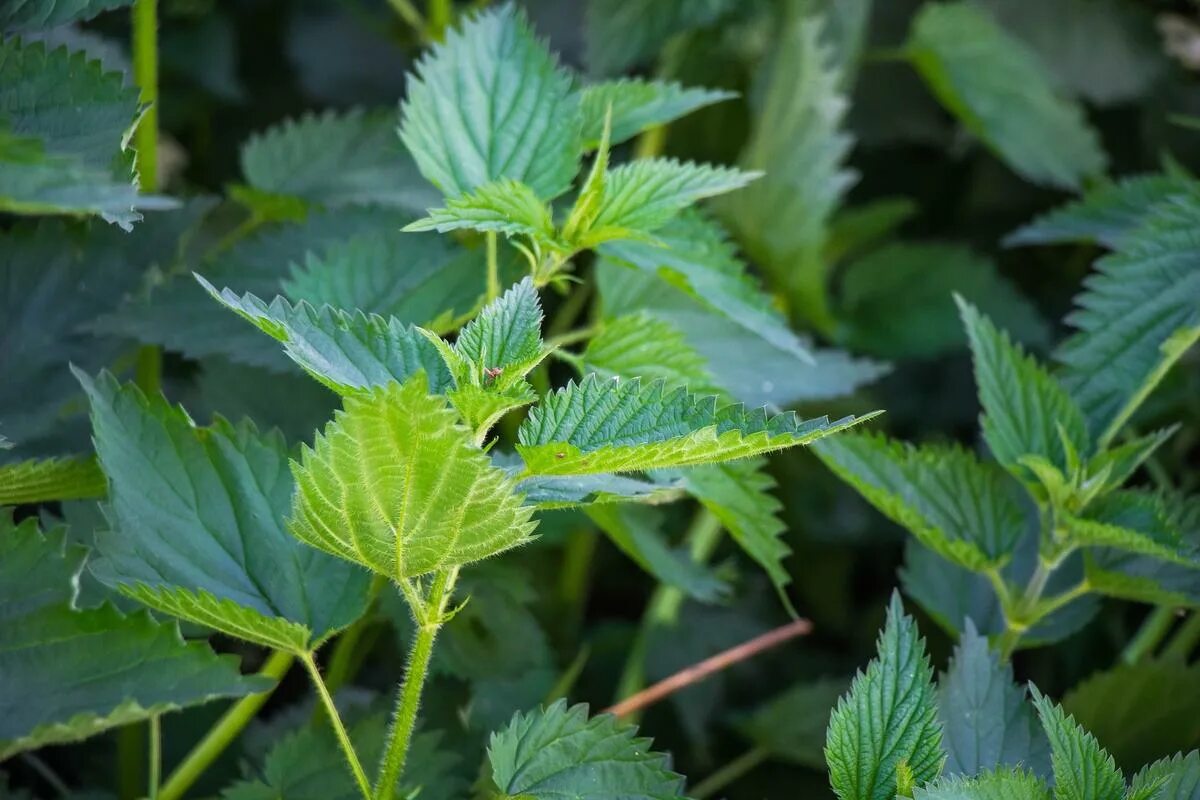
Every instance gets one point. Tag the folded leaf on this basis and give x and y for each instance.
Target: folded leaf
(887, 719)
(558, 752)
(489, 103)
(197, 516)
(620, 426)
(637, 105)
(394, 484)
(1082, 770)
(41, 481)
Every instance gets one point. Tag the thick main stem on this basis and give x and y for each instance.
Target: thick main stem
(429, 618)
(221, 735)
(339, 729)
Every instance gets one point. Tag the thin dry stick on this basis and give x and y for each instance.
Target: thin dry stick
(698, 672)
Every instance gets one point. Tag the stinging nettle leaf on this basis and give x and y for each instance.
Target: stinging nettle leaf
(557, 752)
(623, 33)
(1132, 521)
(394, 484)
(489, 103)
(619, 426)
(888, 718)
(43, 480)
(22, 15)
(1082, 770)
(637, 105)
(1011, 783)
(503, 206)
(1175, 778)
(506, 335)
(640, 346)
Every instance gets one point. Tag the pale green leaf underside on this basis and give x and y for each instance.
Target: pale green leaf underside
(394, 484)
(489, 103)
(1082, 770)
(346, 352)
(557, 753)
(572, 491)
(40, 481)
(639, 104)
(1000, 91)
(601, 425)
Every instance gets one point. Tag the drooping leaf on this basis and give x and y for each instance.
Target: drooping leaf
(638, 532)
(1011, 783)
(1133, 521)
(618, 426)
(490, 103)
(986, 722)
(33, 14)
(502, 206)
(619, 34)
(395, 485)
(798, 140)
(557, 752)
(1137, 315)
(40, 481)
(1026, 411)
(961, 508)
(637, 105)
(1176, 778)
(70, 674)
(197, 521)
(346, 352)
(1001, 92)
(888, 718)
(792, 725)
(1082, 770)
(335, 159)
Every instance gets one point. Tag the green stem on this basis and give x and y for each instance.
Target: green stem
(1185, 639)
(1154, 628)
(408, 12)
(48, 775)
(353, 645)
(223, 732)
(1027, 608)
(131, 750)
(441, 13)
(663, 608)
(572, 337)
(145, 75)
(729, 773)
(576, 572)
(493, 267)
(651, 143)
(155, 777)
(335, 720)
(429, 616)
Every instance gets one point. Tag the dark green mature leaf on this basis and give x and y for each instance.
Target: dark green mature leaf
(783, 219)
(619, 426)
(63, 124)
(961, 508)
(1132, 521)
(40, 481)
(986, 722)
(502, 206)
(1026, 412)
(394, 484)
(638, 532)
(346, 352)
(70, 674)
(792, 725)
(1177, 778)
(1106, 215)
(637, 105)
(489, 103)
(623, 33)
(897, 301)
(336, 158)
(197, 523)
(888, 718)
(1140, 712)
(19, 15)
(1082, 770)
(557, 752)
(1002, 784)
(640, 346)
(1000, 91)
(1137, 315)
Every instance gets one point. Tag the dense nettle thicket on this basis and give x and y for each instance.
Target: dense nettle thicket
(432, 400)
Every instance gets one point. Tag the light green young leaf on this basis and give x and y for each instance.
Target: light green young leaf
(1136, 317)
(799, 141)
(638, 532)
(1001, 92)
(620, 426)
(557, 752)
(1011, 783)
(986, 723)
(70, 674)
(640, 346)
(502, 206)
(1082, 770)
(1025, 411)
(394, 484)
(489, 103)
(1120, 462)
(1133, 521)
(963, 509)
(43, 480)
(197, 516)
(335, 158)
(1176, 778)
(637, 105)
(888, 718)
(22, 15)
(619, 34)
(346, 352)
(505, 336)
(792, 725)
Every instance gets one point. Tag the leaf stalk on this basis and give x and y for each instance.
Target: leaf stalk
(339, 729)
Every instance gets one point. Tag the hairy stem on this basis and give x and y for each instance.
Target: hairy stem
(429, 616)
(222, 734)
(1185, 639)
(1153, 630)
(493, 267)
(339, 728)
(729, 773)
